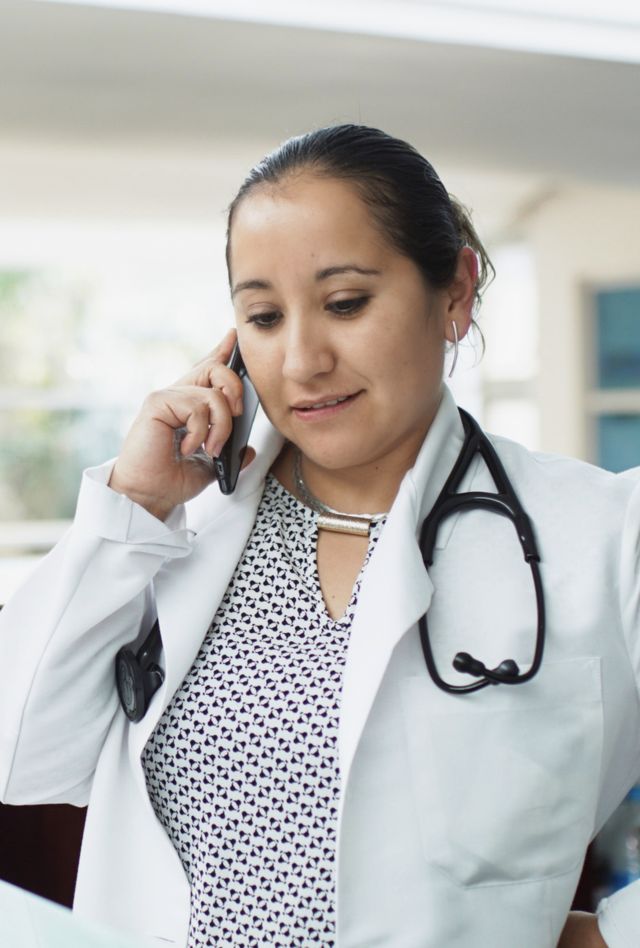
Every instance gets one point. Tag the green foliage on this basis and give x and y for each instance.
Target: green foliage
(78, 351)
(43, 454)
(43, 450)
(42, 319)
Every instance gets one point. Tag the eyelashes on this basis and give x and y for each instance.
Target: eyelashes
(341, 308)
(264, 320)
(349, 306)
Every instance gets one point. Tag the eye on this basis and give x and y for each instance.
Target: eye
(349, 306)
(264, 320)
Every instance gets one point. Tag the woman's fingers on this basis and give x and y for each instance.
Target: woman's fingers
(213, 372)
(230, 384)
(203, 412)
(209, 374)
(222, 352)
(174, 425)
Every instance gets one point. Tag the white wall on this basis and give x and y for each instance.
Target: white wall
(584, 237)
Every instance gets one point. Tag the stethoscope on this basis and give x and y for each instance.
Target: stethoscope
(505, 502)
(139, 675)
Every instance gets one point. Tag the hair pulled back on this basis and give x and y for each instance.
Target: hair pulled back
(405, 196)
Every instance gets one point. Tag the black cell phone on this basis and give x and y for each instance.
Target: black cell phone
(228, 464)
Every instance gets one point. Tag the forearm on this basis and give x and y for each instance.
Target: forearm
(58, 639)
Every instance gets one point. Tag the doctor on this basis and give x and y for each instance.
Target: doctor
(299, 779)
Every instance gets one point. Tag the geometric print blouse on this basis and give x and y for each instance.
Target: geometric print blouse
(242, 768)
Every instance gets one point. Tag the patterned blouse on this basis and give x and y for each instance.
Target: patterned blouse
(242, 768)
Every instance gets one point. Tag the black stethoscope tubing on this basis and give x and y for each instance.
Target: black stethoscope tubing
(139, 674)
(505, 502)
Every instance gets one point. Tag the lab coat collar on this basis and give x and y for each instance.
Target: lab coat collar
(396, 589)
(188, 591)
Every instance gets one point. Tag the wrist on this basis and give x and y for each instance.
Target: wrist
(153, 505)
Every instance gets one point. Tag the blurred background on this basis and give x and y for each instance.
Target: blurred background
(125, 131)
(126, 128)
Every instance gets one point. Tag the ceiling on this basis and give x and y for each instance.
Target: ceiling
(110, 80)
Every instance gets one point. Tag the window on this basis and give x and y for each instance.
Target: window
(510, 364)
(613, 401)
(93, 317)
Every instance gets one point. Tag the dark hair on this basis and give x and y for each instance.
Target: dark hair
(405, 196)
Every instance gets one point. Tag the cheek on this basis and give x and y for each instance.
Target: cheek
(410, 361)
(262, 380)
(262, 372)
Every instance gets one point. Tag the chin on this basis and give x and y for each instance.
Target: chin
(335, 457)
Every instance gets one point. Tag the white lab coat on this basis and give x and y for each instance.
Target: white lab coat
(463, 820)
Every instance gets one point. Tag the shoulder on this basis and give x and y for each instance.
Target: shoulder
(569, 484)
(558, 466)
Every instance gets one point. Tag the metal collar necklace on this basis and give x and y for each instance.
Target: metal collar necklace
(328, 518)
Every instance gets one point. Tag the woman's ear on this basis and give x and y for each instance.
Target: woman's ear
(461, 294)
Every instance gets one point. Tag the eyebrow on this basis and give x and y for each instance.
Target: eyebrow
(320, 275)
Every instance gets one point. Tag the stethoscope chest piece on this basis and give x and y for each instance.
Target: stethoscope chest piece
(138, 675)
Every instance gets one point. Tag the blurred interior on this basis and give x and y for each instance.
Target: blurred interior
(126, 128)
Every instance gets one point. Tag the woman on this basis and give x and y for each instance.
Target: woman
(299, 779)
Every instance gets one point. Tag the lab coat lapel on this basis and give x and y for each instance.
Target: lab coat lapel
(189, 592)
(396, 589)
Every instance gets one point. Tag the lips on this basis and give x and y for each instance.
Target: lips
(322, 403)
(324, 406)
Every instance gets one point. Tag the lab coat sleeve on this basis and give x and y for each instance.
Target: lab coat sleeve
(629, 572)
(619, 915)
(619, 918)
(59, 635)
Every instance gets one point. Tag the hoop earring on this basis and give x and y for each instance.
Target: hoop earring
(455, 348)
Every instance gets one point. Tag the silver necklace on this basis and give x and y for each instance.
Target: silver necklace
(329, 519)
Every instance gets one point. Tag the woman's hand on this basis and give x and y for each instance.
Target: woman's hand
(581, 931)
(158, 470)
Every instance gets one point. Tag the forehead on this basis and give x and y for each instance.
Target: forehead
(307, 214)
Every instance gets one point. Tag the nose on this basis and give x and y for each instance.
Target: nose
(308, 351)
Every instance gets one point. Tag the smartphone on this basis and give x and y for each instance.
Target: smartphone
(227, 465)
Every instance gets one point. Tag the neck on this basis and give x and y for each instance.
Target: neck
(365, 488)
(358, 489)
